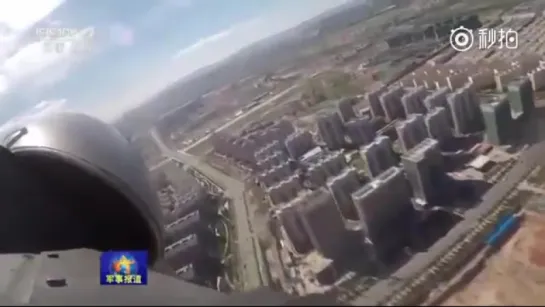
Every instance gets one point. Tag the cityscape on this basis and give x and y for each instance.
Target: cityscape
(389, 169)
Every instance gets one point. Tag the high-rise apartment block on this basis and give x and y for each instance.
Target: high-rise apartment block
(411, 131)
(272, 160)
(334, 163)
(184, 226)
(391, 103)
(275, 174)
(378, 156)
(298, 143)
(285, 190)
(254, 143)
(425, 171)
(269, 149)
(381, 204)
(292, 225)
(437, 124)
(360, 131)
(331, 130)
(497, 119)
(184, 251)
(341, 187)
(465, 111)
(521, 97)
(375, 105)
(345, 108)
(323, 223)
(413, 101)
(438, 99)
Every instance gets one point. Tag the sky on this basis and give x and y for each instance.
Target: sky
(138, 47)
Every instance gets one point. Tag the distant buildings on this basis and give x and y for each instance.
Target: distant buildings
(425, 171)
(254, 144)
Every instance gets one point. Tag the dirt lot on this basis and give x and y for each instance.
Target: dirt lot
(514, 276)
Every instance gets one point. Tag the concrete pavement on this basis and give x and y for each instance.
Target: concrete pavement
(234, 190)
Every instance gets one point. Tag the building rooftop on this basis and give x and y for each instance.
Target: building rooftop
(316, 262)
(491, 99)
(377, 182)
(192, 215)
(314, 152)
(480, 162)
(417, 152)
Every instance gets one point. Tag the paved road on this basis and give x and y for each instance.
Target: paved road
(159, 165)
(233, 189)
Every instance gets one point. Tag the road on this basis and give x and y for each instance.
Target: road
(244, 116)
(233, 189)
(159, 165)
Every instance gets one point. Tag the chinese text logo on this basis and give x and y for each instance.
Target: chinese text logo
(462, 39)
(123, 268)
(60, 40)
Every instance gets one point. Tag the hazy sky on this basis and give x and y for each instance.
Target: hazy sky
(138, 47)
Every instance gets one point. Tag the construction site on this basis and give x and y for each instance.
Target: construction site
(509, 268)
(513, 276)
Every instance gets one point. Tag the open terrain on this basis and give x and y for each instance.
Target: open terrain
(514, 276)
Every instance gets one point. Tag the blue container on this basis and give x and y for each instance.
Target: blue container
(504, 229)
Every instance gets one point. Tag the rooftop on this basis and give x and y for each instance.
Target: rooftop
(417, 153)
(316, 151)
(316, 262)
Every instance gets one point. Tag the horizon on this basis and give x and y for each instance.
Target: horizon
(138, 48)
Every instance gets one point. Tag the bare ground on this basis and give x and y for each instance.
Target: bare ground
(515, 275)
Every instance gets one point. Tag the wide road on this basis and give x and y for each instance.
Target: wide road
(233, 189)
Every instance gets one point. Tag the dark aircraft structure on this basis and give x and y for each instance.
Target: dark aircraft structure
(73, 186)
